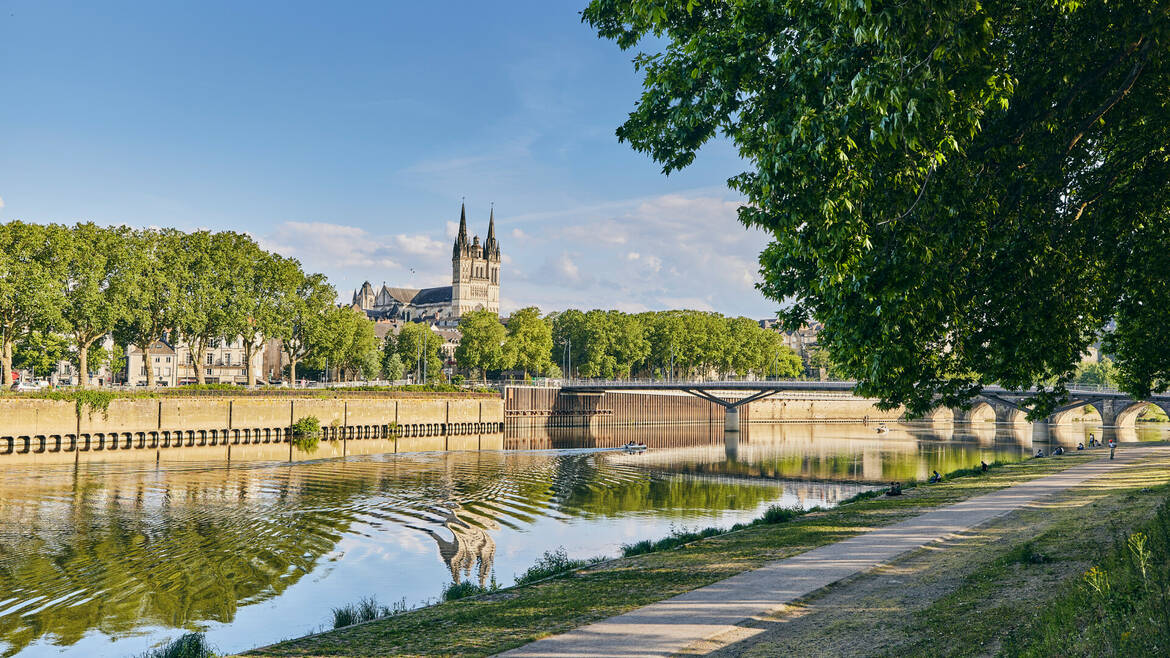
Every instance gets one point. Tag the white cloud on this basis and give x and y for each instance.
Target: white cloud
(519, 235)
(419, 244)
(452, 229)
(1, 202)
(683, 250)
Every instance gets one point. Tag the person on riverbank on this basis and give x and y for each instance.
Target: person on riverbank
(982, 466)
(1112, 447)
(1080, 446)
(1040, 452)
(895, 489)
(935, 478)
(1059, 451)
(1092, 440)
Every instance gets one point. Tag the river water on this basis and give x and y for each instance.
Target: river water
(114, 558)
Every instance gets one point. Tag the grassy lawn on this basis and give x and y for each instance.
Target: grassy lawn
(495, 622)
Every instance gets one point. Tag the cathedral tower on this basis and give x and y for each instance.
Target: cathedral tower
(475, 269)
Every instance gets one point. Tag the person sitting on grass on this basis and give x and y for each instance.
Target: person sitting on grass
(895, 489)
(1080, 446)
(1059, 450)
(1040, 452)
(983, 466)
(935, 478)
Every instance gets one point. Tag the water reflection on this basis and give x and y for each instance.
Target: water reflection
(111, 558)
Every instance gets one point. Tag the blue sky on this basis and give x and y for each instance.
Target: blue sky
(346, 134)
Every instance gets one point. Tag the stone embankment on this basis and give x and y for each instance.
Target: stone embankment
(144, 428)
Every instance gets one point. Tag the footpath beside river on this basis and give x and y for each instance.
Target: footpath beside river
(1084, 498)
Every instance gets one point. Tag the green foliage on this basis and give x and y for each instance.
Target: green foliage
(346, 344)
(778, 514)
(1118, 607)
(553, 563)
(616, 344)
(1097, 373)
(306, 433)
(453, 591)
(392, 367)
(367, 609)
(481, 346)
(529, 342)
(961, 192)
(40, 352)
(419, 348)
(190, 645)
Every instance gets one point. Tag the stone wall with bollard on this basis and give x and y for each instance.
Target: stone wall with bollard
(175, 427)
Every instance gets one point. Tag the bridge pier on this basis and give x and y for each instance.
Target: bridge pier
(731, 419)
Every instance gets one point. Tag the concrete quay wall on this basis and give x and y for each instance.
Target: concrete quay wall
(535, 406)
(145, 428)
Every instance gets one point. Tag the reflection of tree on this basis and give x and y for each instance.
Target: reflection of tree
(469, 546)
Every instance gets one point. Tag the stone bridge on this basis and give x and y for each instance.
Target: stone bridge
(1116, 409)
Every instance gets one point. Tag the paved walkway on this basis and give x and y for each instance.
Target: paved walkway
(667, 627)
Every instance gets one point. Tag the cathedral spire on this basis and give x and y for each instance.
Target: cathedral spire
(490, 246)
(461, 239)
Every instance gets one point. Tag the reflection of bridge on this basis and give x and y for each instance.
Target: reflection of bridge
(1117, 409)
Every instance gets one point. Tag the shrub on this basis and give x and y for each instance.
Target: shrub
(306, 433)
(778, 514)
(191, 645)
(551, 564)
(367, 609)
(462, 590)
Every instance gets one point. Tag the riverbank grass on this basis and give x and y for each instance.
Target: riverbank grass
(485, 625)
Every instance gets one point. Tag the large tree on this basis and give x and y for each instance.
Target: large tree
(97, 270)
(151, 291)
(31, 284)
(481, 345)
(961, 192)
(529, 343)
(253, 311)
(419, 348)
(302, 304)
(215, 271)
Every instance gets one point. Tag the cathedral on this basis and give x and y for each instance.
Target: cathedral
(475, 285)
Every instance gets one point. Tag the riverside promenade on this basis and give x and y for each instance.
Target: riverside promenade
(724, 608)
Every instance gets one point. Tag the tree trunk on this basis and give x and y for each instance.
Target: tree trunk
(292, 370)
(146, 363)
(199, 350)
(249, 348)
(6, 360)
(83, 360)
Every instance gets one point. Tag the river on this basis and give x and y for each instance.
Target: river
(114, 558)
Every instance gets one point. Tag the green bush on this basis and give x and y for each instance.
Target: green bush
(778, 514)
(367, 609)
(306, 433)
(553, 563)
(462, 590)
(191, 645)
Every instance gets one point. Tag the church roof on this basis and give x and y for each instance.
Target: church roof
(441, 295)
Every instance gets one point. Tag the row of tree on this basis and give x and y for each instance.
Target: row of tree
(87, 281)
(616, 344)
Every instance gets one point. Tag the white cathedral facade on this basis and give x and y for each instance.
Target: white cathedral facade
(475, 284)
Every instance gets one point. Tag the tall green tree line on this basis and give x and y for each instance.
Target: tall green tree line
(84, 282)
(616, 344)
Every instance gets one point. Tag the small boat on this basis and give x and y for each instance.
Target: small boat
(881, 429)
(634, 447)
